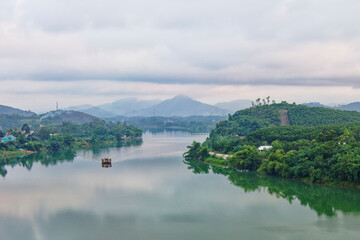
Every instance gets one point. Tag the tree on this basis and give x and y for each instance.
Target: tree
(69, 140)
(196, 152)
(44, 133)
(25, 128)
(268, 99)
(248, 158)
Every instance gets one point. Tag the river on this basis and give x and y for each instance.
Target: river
(149, 192)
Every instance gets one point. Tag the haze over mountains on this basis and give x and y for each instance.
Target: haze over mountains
(127, 105)
(180, 105)
(355, 106)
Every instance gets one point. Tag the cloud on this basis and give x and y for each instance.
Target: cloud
(41, 96)
(281, 42)
(61, 50)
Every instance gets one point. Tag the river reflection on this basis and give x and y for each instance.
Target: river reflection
(149, 193)
(325, 200)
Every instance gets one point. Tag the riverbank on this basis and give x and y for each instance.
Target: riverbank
(4, 155)
(10, 154)
(222, 160)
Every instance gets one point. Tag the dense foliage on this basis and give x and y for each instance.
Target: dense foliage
(16, 121)
(316, 144)
(69, 135)
(198, 124)
(228, 134)
(327, 154)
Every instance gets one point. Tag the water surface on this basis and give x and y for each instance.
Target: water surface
(151, 193)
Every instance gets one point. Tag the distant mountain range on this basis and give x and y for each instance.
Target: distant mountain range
(94, 111)
(10, 110)
(315, 104)
(180, 106)
(355, 106)
(126, 105)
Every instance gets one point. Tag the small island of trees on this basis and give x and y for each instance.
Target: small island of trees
(64, 136)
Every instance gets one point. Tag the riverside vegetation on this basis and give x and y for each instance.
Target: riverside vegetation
(66, 136)
(315, 144)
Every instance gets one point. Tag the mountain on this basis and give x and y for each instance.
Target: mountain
(98, 112)
(80, 107)
(355, 106)
(248, 120)
(126, 105)
(234, 106)
(10, 110)
(315, 104)
(92, 110)
(181, 106)
(67, 116)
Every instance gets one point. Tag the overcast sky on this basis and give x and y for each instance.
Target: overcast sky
(91, 51)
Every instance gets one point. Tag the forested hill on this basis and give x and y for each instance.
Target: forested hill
(314, 144)
(10, 110)
(248, 120)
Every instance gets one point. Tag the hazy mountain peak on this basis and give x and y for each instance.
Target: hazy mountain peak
(182, 96)
(180, 105)
(126, 105)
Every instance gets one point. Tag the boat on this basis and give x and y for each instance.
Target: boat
(106, 162)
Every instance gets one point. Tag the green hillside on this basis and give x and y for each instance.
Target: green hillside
(313, 144)
(227, 133)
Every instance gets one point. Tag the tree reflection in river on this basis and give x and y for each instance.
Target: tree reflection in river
(325, 200)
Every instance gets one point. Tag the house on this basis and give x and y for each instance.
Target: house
(11, 137)
(8, 138)
(263, 148)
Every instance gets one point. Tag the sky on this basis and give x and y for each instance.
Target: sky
(90, 51)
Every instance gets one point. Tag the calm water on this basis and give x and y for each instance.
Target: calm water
(150, 193)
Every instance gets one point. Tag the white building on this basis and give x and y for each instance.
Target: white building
(263, 148)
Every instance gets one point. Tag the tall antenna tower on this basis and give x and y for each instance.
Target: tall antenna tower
(57, 106)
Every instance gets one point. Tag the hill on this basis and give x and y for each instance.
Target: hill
(314, 144)
(66, 116)
(249, 120)
(315, 104)
(10, 110)
(182, 106)
(355, 106)
(98, 112)
(79, 107)
(234, 106)
(126, 105)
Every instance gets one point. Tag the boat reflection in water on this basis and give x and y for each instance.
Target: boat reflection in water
(106, 162)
